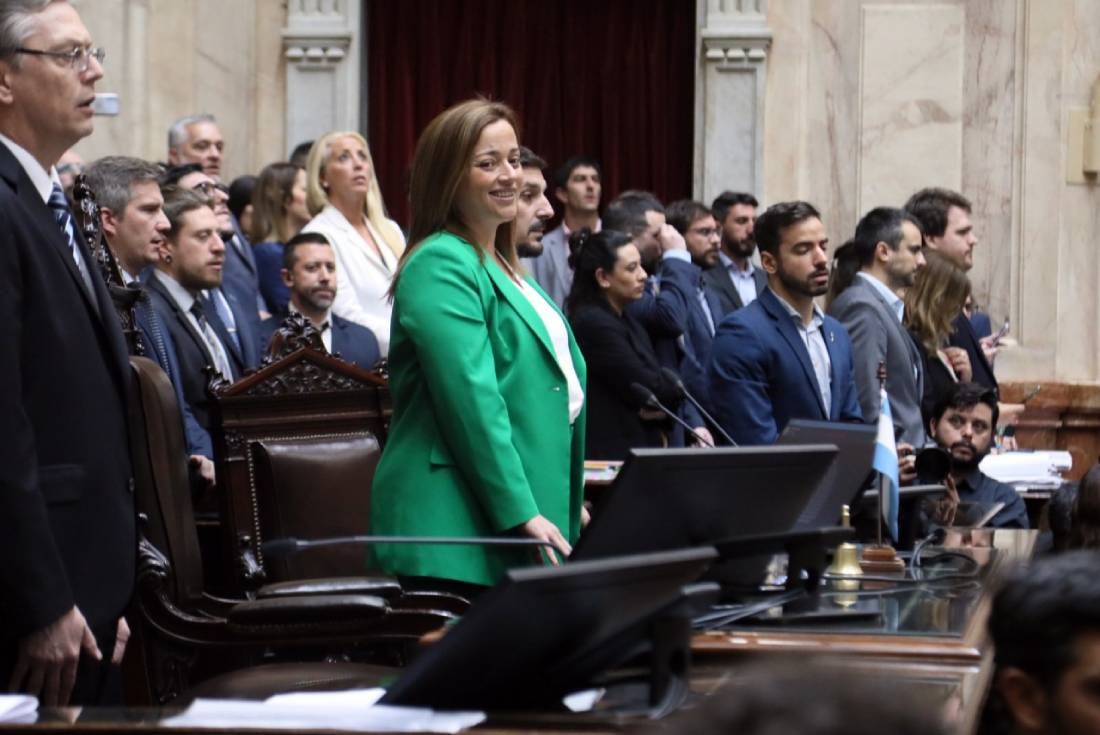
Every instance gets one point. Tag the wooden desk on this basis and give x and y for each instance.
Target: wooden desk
(1060, 416)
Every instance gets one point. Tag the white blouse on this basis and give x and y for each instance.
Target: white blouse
(362, 278)
(559, 339)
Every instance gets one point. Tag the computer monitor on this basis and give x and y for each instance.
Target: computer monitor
(678, 498)
(844, 482)
(537, 634)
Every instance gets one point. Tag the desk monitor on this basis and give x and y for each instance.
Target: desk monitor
(845, 480)
(679, 498)
(535, 636)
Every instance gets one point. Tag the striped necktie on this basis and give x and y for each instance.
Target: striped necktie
(59, 205)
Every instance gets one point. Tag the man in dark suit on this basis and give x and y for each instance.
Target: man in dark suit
(309, 271)
(780, 357)
(944, 217)
(735, 278)
(191, 260)
(887, 246)
(132, 219)
(67, 539)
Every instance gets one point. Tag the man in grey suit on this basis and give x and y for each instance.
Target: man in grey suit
(887, 247)
(734, 278)
(577, 187)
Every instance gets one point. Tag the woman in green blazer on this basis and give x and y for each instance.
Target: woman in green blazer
(487, 436)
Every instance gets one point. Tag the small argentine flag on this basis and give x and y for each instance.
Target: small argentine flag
(886, 463)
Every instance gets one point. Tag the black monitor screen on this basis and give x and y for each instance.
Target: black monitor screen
(844, 482)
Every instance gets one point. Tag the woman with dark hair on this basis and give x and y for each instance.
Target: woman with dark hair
(279, 213)
(487, 436)
(607, 277)
(1085, 528)
(931, 305)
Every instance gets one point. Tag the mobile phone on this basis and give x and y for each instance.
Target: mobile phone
(105, 103)
(1001, 333)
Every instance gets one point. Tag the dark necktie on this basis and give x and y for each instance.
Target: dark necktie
(59, 205)
(217, 350)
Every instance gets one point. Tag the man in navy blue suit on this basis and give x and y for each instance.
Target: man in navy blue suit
(780, 357)
(309, 271)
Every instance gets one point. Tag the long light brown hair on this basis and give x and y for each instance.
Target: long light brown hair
(935, 299)
(373, 207)
(440, 165)
(274, 187)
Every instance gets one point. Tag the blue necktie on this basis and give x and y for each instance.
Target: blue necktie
(59, 205)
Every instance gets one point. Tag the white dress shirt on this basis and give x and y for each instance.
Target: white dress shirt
(559, 339)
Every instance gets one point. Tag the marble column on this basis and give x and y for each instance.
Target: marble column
(729, 97)
(321, 45)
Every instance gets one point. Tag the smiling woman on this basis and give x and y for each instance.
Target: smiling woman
(487, 437)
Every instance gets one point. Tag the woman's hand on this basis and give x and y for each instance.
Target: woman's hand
(960, 363)
(543, 530)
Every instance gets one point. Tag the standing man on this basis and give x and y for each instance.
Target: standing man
(944, 218)
(309, 272)
(780, 357)
(577, 187)
(737, 281)
(67, 542)
(532, 208)
(888, 249)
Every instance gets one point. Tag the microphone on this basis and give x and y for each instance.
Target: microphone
(280, 547)
(647, 397)
(936, 537)
(672, 377)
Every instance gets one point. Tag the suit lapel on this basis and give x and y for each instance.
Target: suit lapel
(828, 331)
(154, 284)
(519, 302)
(222, 331)
(785, 324)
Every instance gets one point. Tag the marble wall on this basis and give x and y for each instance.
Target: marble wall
(867, 101)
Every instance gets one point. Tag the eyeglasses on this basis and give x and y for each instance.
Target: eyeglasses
(79, 58)
(209, 187)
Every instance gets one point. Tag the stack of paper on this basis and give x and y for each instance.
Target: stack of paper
(18, 708)
(355, 710)
(1032, 469)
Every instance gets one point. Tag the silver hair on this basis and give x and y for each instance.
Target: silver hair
(112, 179)
(177, 131)
(17, 21)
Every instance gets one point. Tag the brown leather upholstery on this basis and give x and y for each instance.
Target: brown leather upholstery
(312, 488)
(178, 627)
(261, 682)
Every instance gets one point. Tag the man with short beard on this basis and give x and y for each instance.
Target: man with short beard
(309, 272)
(780, 357)
(736, 280)
(888, 250)
(962, 423)
(533, 209)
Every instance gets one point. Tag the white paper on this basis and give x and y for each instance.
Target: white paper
(18, 708)
(1041, 468)
(353, 710)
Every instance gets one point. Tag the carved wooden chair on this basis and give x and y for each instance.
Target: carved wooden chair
(296, 446)
(182, 633)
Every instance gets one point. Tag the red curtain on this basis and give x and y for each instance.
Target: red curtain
(612, 79)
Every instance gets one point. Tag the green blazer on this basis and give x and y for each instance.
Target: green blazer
(480, 440)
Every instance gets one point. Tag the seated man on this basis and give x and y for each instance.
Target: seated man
(309, 271)
(1045, 627)
(962, 423)
(780, 357)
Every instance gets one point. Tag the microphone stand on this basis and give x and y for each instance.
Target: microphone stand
(650, 400)
(671, 376)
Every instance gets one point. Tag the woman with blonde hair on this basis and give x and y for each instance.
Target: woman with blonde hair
(279, 213)
(487, 436)
(931, 305)
(344, 197)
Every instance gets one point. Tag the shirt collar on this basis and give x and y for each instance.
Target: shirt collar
(183, 298)
(892, 299)
(325, 324)
(42, 179)
(727, 261)
(816, 322)
(567, 232)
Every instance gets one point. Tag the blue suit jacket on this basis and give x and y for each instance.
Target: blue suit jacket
(761, 377)
(350, 341)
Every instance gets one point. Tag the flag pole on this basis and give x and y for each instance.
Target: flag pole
(881, 558)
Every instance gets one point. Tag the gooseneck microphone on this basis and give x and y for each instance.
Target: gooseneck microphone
(649, 399)
(677, 383)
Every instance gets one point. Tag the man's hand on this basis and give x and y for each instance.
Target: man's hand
(944, 509)
(48, 658)
(122, 636)
(704, 433)
(670, 239)
(205, 467)
(907, 464)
